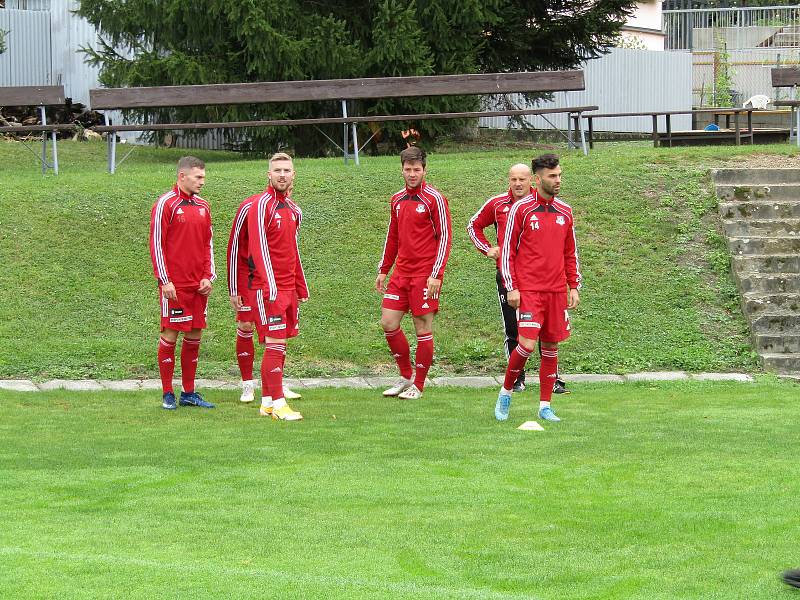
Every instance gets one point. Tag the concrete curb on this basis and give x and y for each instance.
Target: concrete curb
(26, 385)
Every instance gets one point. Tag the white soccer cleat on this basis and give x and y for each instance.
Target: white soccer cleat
(248, 394)
(412, 393)
(401, 386)
(290, 395)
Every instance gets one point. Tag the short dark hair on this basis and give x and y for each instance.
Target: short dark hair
(545, 161)
(411, 154)
(190, 162)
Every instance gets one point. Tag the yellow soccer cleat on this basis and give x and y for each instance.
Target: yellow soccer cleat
(265, 411)
(285, 413)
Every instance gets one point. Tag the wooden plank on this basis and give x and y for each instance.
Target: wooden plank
(33, 95)
(671, 112)
(336, 89)
(339, 120)
(785, 76)
(36, 128)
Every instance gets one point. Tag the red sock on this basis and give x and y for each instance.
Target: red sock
(547, 373)
(272, 370)
(166, 363)
(244, 353)
(516, 363)
(190, 350)
(423, 358)
(398, 344)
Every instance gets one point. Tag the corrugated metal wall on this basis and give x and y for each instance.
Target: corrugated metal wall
(625, 81)
(69, 34)
(28, 4)
(27, 59)
(44, 48)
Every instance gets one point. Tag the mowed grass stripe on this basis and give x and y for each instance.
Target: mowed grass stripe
(643, 491)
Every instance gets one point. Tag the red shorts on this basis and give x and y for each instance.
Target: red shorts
(543, 315)
(404, 293)
(279, 319)
(248, 311)
(188, 311)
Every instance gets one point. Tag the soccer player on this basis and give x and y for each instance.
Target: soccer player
(495, 212)
(278, 282)
(241, 273)
(182, 252)
(418, 245)
(539, 266)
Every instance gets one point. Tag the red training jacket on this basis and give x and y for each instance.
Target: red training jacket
(181, 244)
(494, 212)
(419, 237)
(241, 268)
(272, 230)
(539, 252)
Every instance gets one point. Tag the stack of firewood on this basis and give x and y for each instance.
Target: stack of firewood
(70, 113)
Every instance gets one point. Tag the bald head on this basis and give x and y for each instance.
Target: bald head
(519, 180)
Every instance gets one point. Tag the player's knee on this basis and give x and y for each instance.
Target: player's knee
(389, 324)
(550, 345)
(527, 343)
(247, 326)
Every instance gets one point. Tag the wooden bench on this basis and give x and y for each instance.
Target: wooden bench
(41, 96)
(789, 77)
(668, 137)
(342, 90)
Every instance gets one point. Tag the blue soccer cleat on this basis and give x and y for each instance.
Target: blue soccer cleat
(502, 406)
(547, 414)
(194, 399)
(169, 401)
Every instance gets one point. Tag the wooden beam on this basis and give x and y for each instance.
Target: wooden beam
(36, 128)
(34, 95)
(785, 76)
(335, 89)
(339, 120)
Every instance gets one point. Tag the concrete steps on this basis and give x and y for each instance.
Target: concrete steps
(760, 212)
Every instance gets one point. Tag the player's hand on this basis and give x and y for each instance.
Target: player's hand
(302, 300)
(512, 298)
(205, 287)
(494, 252)
(380, 282)
(168, 291)
(236, 303)
(434, 285)
(573, 299)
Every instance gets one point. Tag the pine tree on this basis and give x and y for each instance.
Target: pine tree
(176, 42)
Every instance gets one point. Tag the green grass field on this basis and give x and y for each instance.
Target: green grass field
(78, 297)
(660, 491)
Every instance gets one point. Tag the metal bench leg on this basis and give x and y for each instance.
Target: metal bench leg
(55, 153)
(43, 117)
(578, 126)
(112, 145)
(355, 143)
(344, 134)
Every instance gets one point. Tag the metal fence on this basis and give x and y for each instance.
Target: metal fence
(736, 28)
(663, 81)
(749, 71)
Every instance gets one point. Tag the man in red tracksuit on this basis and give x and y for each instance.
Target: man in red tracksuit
(494, 212)
(182, 252)
(279, 283)
(241, 274)
(539, 267)
(418, 245)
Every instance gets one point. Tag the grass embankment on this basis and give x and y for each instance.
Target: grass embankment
(78, 298)
(674, 490)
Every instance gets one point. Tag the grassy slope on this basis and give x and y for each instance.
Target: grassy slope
(78, 297)
(678, 490)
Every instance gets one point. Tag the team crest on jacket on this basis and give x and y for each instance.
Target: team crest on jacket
(420, 208)
(560, 219)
